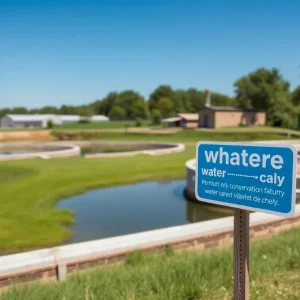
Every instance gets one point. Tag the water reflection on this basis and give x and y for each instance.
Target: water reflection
(133, 208)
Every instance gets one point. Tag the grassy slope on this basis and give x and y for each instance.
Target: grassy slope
(181, 136)
(29, 189)
(27, 217)
(274, 275)
(102, 125)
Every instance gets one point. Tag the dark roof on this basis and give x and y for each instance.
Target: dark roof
(231, 108)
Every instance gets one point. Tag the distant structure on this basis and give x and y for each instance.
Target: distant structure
(229, 116)
(67, 119)
(183, 121)
(41, 120)
(207, 100)
(29, 120)
(98, 118)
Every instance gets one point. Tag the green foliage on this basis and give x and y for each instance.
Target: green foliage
(163, 91)
(266, 89)
(131, 102)
(169, 251)
(156, 117)
(117, 112)
(49, 124)
(165, 106)
(188, 101)
(296, 96)
(135, 258)
(138, 122)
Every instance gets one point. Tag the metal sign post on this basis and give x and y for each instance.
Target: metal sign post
(241, 254)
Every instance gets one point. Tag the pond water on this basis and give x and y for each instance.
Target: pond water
(133, 208)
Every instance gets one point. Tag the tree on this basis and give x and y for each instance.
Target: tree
(128, 100)
(68, 110)
(49, 110)
(4, 111)
(117, 112)
(296, 96)
(19, 110)
(156, 117)
(264, 89)
(283, 112)
(138, 122)
(140, 109)
(105, 105)
(163, 91)
(165, 106)
(180, 101)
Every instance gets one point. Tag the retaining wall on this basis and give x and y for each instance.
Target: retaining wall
(55, 263)
(155, 148)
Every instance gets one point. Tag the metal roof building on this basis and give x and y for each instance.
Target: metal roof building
(35, 120)
(41, 120)
(183, 120)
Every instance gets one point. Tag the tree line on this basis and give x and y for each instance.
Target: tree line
(261, 89)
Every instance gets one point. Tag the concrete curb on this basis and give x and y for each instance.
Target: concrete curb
(64, 150)
(41, 264)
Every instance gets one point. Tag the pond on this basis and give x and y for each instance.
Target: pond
(133, 208)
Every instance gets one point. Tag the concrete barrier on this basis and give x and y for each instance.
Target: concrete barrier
(155, 148)
(53, 263)
(72, 148)
(63, 149)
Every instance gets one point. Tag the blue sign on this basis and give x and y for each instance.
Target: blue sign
(254, 177)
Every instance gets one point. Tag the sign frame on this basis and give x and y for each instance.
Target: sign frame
(238, 206)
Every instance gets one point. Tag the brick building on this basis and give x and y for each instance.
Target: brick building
(227, 116)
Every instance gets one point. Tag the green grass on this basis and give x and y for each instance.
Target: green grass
(181, 136)
(102, 125)
(274, 275)
(32, 187)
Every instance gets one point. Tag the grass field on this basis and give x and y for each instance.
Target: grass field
(29, 189)
(181, 136)
(274, 275)
(103, 125)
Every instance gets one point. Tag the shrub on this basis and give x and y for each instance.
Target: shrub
(156, 117)
(50, 124)
(138, 122)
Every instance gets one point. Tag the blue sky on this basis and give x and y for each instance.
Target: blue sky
(74, 52)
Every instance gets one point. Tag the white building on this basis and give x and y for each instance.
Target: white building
(35, 120)
(67, 119)
(40, 120)
(99, 118)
